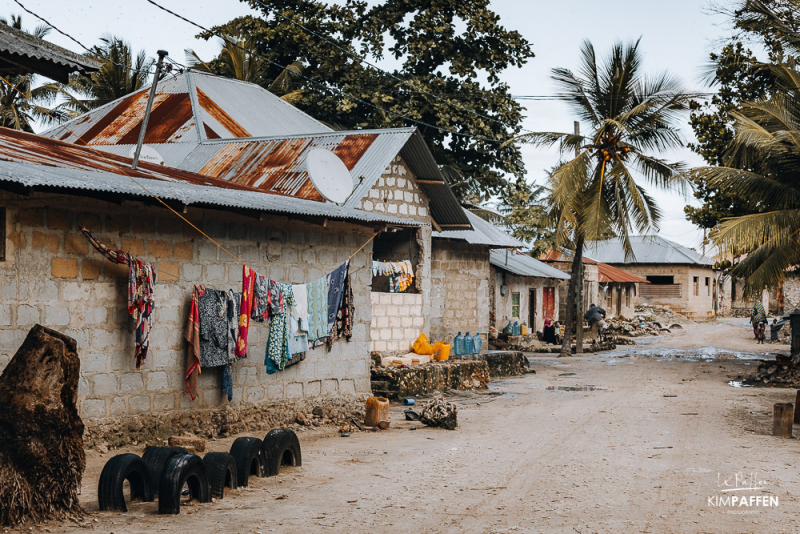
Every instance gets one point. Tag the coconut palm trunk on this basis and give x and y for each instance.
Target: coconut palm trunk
(573, 322)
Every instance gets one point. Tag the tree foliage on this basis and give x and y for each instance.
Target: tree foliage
(444, 48)
(27, 102)
(527, 217)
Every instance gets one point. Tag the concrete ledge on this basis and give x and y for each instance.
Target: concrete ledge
(501, 362)
(397, 383)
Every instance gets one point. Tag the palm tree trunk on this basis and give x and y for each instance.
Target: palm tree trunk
(571, 322)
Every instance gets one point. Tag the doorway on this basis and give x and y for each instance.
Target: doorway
(532, 309)
(548, 302)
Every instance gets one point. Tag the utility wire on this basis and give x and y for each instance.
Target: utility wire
(65, 34)
(322, 85)
(363, 60)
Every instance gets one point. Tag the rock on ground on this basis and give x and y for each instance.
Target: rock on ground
(440, 413)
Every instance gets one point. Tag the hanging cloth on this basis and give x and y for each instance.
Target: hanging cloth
(245, 307)
(192, 335)
(141, 293)
(278, 341)
(260, 310)
(344, 317)
(335, 289)
(317, 293)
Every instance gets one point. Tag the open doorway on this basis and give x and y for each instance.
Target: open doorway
(532, 309)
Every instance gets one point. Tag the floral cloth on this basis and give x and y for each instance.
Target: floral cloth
(141, 293)
(278, 341)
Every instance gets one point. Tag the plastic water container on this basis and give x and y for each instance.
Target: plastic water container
(517, 329)
(468, 344)
(477, 343)
(509, 329)
(458, 345)
(523, 329)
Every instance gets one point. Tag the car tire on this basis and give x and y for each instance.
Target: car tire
(281, 447)
(117, 470)
(222, 472)
(182, 469)
(249, 457)
(156, 459)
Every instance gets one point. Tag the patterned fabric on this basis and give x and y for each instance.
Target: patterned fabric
(141, 293)
(317, 292)
(260, 310)
(192, 335)
(276, 304)
(246, 307)
(758, 315)
(344, 317)
(335, 290)
(298, 338)
(278, 341)
(213, 307)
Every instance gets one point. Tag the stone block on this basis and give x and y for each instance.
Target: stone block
(64, 268)
(347, 387)
(255, 394)
(294, 390)
(56, 316)
(90, 269)
(379, 346)
(139, 404)
(118, 406)
(275, 392)
(131, 382)
(27, 315)
(47, 242)
(94, 362)
(313, 389)
(157, 381)
(158, 248)
(215, 273)
(330, 388)
(5, 315)
(76, 244)
(76, 291)
(59, 219)
(132, 245)
(192, 273)
(169, 271)
(104, 385)
(183, 250)
(93, 408)
(31, 217)
(164, 402)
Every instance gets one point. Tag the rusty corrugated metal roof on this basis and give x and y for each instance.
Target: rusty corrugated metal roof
(22, 53)
(609, 273)
(36, 161)
(190, 108)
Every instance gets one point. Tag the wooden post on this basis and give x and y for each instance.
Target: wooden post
(797, 412)
(794, 321)
(782, 423)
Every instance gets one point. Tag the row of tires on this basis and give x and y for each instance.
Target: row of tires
(164, 471)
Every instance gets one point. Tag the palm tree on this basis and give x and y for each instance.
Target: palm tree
(595, 195)
(762, 163)
(26, 103)
(121, 74)
(235, 62)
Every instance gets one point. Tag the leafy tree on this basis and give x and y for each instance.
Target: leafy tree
(122, 73)
(20, 108)
(444, 48)
(594, 194)
(527, 217)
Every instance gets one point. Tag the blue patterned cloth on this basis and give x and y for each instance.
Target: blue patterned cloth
(279, 332)
(317, 309)
(335, 292)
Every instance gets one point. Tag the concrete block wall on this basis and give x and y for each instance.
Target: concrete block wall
(459, 298)
(698, 307)
(522, 285)
(396, 193)
(397, 321)
(52, 276)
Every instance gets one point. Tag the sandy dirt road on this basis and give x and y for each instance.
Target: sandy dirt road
(632, 441)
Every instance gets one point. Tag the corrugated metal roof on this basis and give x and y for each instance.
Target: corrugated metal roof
(523, 265)
(190, 108)
(611, 274)
(647, 249)
(35, 161)
(482, 233)
(22, 53)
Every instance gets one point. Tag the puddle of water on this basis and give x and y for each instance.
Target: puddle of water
(576, 388)
(704, 354)
(739, 384)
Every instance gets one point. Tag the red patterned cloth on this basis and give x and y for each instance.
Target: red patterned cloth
(248, 283)
(141, 292)
(192, 335)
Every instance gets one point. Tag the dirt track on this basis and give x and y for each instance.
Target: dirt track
(600, 450)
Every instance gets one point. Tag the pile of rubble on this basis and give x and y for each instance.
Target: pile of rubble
(784, 371)
(648, 321)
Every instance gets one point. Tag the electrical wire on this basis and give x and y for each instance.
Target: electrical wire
(65, 34)
(363, 60)
(324, 86)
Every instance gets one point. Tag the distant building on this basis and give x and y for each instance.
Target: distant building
(679, 277)
(22, 53)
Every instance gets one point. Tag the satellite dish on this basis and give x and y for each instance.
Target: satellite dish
(329, 175)
(148, 154)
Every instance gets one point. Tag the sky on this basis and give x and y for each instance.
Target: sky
(676, 36)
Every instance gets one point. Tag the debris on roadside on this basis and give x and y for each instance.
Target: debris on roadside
(783, 371)
(440, 413)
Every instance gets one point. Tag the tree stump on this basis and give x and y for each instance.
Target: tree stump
(782, 423)
(41, 432)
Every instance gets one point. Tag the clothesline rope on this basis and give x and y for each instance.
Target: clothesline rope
(121, 168)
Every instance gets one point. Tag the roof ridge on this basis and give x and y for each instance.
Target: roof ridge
(255, 139)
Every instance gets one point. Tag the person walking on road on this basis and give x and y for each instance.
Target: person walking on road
(757, 316)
